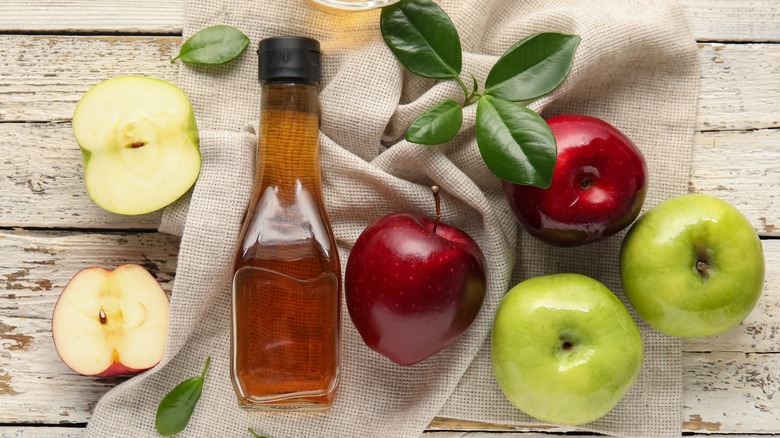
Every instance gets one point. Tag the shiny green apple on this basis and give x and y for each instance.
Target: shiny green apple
(139, 143)
(564, 348)
(692, 266)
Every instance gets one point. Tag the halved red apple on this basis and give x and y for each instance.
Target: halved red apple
(109, 323)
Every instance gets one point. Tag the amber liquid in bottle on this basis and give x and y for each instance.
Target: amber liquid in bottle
(287, 282)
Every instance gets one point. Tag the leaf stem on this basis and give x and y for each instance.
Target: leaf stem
(464, 88)
(206, 368)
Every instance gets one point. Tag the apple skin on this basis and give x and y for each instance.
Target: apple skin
(139, 143)
(410, 292)
(660, 270)
(564, 348)
(128, 337)
(598, 186)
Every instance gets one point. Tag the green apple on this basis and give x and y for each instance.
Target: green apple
(139, 142)
(692, 266)
(564, 348)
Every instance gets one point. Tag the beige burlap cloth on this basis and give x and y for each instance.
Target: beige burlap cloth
(636, 67)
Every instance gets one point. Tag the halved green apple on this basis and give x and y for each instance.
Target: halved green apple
(139, 142)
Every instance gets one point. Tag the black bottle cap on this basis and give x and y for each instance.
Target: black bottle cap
(287, 58)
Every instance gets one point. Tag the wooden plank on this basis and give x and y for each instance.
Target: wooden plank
(41, 432)
(42, 77)
(71, 432)
(729, 20)
(147, 16)
(733, 383)
(741, 168)
(710, 20)
(43, 172)
(740, 87)
(731, 392)
(35, 386)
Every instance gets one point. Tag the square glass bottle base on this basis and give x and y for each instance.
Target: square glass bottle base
(302, 404)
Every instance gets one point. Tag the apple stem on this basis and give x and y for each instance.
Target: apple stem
(703, 269)
(435, 190)
(102, 316)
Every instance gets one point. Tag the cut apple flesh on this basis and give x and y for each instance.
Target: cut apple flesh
(139, 142)
(109, 323)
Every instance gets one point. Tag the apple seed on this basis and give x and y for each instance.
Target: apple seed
(102, 315)
(137, 145)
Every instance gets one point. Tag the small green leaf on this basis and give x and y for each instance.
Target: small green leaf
(255, 434)
(213, 45)
(421, 35)
(516, 144)
(177, 406)
(437, 125)
(533, 67)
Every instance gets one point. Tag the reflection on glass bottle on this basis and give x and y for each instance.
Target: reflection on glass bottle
(287, 282)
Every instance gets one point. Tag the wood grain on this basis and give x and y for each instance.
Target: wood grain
(729, 20)
(741, 167)
(42, 77)
(111, 16)
(42, 170)
(730, 381)
(710, 20)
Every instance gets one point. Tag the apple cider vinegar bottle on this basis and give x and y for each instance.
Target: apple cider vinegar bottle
(286, 328)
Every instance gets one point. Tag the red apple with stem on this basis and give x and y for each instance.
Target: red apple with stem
(413, 285)
(598, 186)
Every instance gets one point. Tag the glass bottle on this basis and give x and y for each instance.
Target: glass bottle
(286, 330)
(352, 5)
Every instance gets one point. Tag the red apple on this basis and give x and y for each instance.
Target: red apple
(598, 186)
(413, 285)
(110, 323)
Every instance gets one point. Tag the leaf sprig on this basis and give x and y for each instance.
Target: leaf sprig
(515, 142)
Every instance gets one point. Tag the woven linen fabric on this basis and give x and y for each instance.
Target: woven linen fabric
(636, 67)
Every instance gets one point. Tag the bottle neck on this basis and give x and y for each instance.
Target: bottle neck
(288, 143)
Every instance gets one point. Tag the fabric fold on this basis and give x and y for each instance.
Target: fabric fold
(636, 67)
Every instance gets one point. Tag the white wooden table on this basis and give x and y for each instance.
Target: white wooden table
(51, 52)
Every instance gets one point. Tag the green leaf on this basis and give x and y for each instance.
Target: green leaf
(177, 406)
(255, 434)
(516, 144)
(533, 67)
(213, 45)
(437, 125)
(421, 35)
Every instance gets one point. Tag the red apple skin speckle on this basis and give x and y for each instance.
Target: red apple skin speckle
(409, 292)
